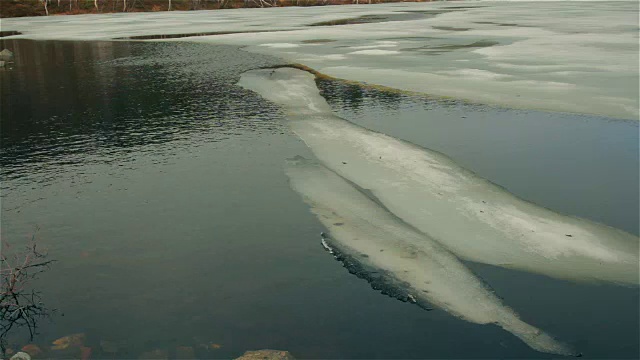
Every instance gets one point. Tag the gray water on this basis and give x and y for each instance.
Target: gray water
(158, 185)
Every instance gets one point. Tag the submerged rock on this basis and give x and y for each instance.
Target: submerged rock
(69, 341)
(21, 356)
(159, 354)
(32, 349)
(185, 352)
(6, 55)
(85, 353)
(266, 355)
(109, 347)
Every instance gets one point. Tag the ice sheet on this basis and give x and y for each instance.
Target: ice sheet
(386, 250)
(559, 56)
(473, 218)
(575, 58)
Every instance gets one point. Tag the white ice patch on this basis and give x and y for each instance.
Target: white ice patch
(326, 246)
(417, 263)
(472, 217)
(281, 45)
(599, 40)
(475, 73)
(333, 57)
(382, 44)
(375, 52)
(325, 57)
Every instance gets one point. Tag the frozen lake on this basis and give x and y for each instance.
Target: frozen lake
(165, 176)
(579, 57)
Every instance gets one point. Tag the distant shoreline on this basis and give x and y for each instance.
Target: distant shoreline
(23, 8)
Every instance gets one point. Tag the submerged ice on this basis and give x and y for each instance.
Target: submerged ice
(474, 218)
(419, 267)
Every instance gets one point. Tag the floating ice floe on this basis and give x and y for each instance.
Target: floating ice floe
(472, 217)
(401, 261)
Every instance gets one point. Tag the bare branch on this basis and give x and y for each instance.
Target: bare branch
(20, 307)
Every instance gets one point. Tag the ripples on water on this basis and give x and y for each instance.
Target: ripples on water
(70, 103)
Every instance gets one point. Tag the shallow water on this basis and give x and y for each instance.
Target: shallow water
(158, 184)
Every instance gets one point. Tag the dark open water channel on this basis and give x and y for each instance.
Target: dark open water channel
(158, 186)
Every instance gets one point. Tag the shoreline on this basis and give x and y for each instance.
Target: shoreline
(31, 8)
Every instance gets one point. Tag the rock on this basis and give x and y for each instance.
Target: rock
(266, 355)
(21, 356)
(210, 346)
(32, 349)
(70, 341)
(6, 55)
(85, 353)
(158, 354)
(185, 352)
(109, 347)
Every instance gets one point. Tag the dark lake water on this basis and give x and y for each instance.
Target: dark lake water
(158, 185)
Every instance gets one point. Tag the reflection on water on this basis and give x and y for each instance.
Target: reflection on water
(353, 96)
(65, 101)
(21, 307)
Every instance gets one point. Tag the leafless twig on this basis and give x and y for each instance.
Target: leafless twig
(20, 307)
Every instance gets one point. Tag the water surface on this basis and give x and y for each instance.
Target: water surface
(158, 185)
